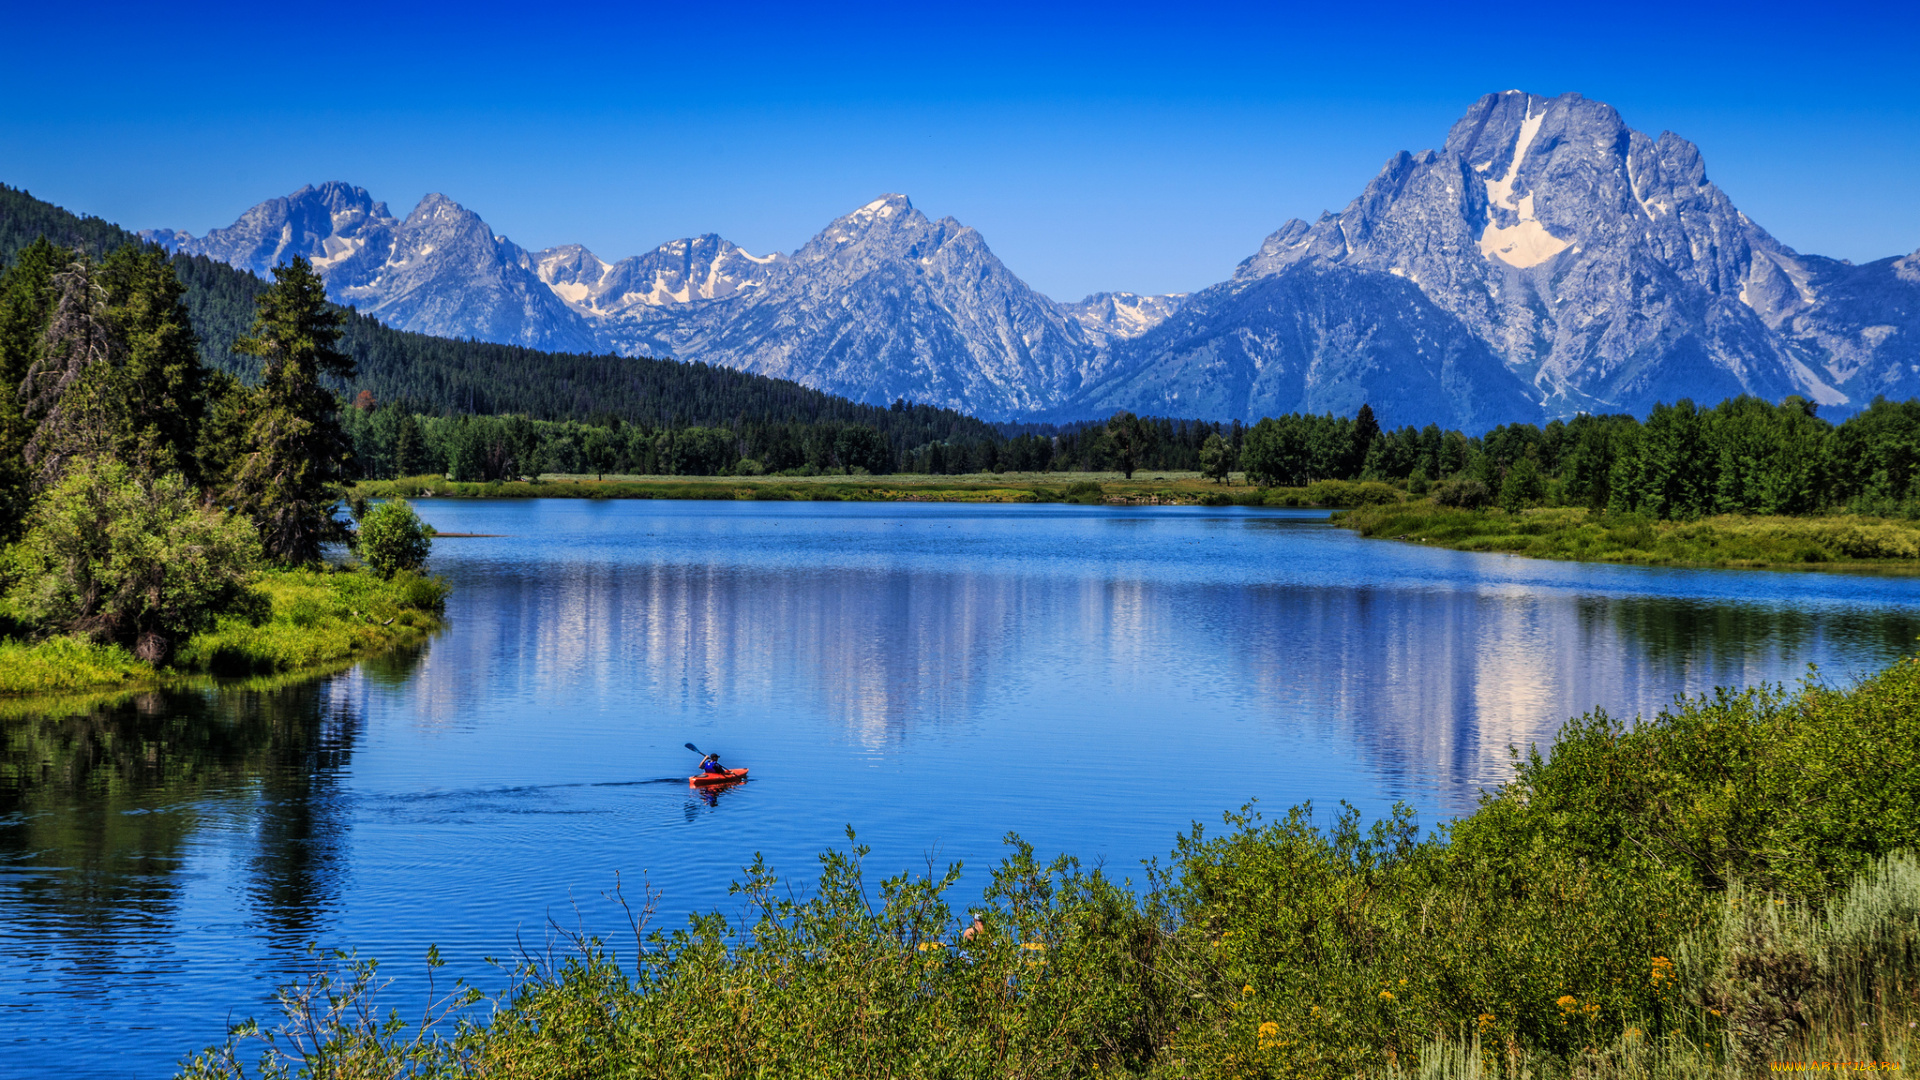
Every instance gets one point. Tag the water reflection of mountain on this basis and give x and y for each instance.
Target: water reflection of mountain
(111, 816)
(1430, 685)
(876, 651)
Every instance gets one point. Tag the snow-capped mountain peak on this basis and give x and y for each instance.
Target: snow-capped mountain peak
(1547, 258)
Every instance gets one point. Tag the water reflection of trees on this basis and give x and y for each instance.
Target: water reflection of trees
(1677, 632)
(103, 809)
(1434, 685)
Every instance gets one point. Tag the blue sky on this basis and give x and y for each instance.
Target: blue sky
(1132, 146)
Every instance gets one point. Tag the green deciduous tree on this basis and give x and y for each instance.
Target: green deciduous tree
(1768, 459)
(1523, 486)
(295, 455)
(1216, 458)
(392, 538)
(126, 558)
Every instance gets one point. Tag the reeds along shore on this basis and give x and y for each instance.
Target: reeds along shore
(1723, 890)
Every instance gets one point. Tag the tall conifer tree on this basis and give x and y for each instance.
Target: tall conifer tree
(68, 393)
(160, 381)
(26, 298)
(295, 455)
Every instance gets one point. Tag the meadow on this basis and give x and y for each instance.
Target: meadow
(1836, 541)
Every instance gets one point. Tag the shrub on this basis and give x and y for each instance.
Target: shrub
(1523, 486)
(392, 538)
(129, 560)
(1465, 493)
(1086, 492)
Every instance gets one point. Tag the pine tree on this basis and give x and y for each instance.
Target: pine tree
(26, 299)
(1129, 438)
(295, 455)
(69, 393)
(161, 381)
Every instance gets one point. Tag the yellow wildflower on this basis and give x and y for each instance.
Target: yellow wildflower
(1386, 995)
(1247, 989)
(1567, 1002)
(929, 946)
(1486, 1021)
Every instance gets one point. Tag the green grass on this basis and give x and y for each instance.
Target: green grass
(1835, 541)
(312, 617)
(64, 665)
(1148, 487)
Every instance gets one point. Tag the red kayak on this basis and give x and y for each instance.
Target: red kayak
(730, 776)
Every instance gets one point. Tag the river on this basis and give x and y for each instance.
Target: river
(936, 676)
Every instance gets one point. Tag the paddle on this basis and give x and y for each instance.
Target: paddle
(699, 751)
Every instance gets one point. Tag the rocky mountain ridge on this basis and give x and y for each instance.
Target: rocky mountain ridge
(1547, 259)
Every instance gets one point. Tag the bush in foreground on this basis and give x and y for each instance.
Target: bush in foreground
(1697, 895)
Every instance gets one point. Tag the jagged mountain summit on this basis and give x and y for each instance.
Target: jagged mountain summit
(1546, 260)
(1599, 266)
(884, 303)
(440, 271)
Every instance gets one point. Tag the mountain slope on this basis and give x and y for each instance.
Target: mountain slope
(451, 377)
(1600, 264)
(441, 271)
(885, 303)
(1316, 338)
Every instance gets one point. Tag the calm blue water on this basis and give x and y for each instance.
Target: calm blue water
(936, 676)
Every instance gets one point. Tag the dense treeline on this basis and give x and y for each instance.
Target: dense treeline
(393, 440)
(1743, 456)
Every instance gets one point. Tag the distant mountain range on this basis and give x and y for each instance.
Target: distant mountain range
(1547, 260)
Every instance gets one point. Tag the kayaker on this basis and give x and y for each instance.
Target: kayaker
(711, 765)
(977, 930)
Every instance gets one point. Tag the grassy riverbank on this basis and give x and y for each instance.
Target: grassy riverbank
(1147, 487)
(1831, 541)
(1703, 894)
(300, 618)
